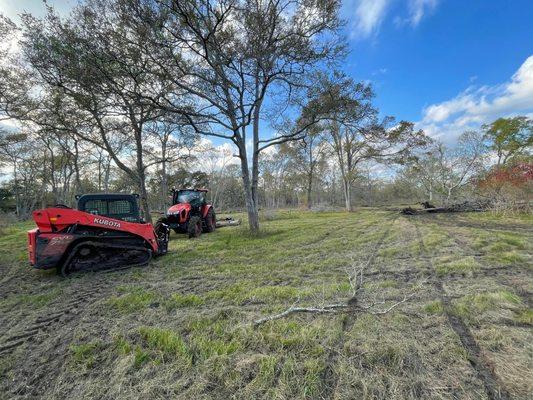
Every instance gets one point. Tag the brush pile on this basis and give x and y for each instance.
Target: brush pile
(466, 206)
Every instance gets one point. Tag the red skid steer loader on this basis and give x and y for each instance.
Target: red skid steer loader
(105, 232)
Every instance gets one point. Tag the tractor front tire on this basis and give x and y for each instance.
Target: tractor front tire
(194, 228)
(210, 221)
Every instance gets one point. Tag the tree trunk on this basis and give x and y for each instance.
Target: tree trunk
(347, 195)
(164, 179)
(253, 210)
(251, 207)
(448, 196)
(144, 199)
(99, 173)
(17, 196)
(107, 174)
(310, 179)
(77, 168)
(141, 177)
(164, 186)
(309, 192)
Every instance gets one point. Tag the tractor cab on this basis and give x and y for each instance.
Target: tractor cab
(118, 206)
(194, 197)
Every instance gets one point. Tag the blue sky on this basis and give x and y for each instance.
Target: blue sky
(448, 65)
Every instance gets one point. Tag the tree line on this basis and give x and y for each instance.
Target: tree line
(121, 95)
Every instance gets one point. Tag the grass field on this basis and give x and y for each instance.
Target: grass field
(183, 327)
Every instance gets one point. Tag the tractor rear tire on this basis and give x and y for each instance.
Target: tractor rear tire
(194, 228)
(210, 221)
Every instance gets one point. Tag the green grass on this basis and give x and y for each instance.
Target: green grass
(33, 300)
(133, 300)
(122, 345)
(166, 345)
(463, 266)
(183, 326)
(183, 300)
(85, 354)
(508, 258)
(472, 307)
(434, 307)
(140, 357)
(13, 242)
(503, 248)
(524, 316)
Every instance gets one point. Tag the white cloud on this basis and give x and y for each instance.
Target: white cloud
(419, 8)
(368, 16)
(475, 106)
(381, 71)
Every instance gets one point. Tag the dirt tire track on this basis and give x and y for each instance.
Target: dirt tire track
(490, 227)
(330, 379)
(494, 271)
(77, 299)
(34, 366)
(493, 386)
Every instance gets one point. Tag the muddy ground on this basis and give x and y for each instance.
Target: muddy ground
(183, 327)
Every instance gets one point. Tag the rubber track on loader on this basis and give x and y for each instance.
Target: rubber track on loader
(119, 260)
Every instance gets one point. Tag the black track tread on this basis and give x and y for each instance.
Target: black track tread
(64, 267)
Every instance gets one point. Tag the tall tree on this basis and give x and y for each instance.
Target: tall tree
(233, 57)
(459, 164)
(96, 59)
(510, 137)
(173, 140)
(425, 169)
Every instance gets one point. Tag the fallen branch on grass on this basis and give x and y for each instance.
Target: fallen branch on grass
(330, 308)
(355, 274)
(291, 310)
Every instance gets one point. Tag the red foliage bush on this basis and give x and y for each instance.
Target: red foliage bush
(517, 175)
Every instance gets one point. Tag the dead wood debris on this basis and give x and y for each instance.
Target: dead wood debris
(229, 221)
(466, 206)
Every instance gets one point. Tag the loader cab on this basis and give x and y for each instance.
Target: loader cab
(118, 206)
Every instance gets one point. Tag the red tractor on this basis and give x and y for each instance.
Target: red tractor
(190, 212)
(106, 231)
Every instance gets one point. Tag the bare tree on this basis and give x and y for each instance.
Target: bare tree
(307, 158)
(215, 162)
(458, 165)
(425, 169)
